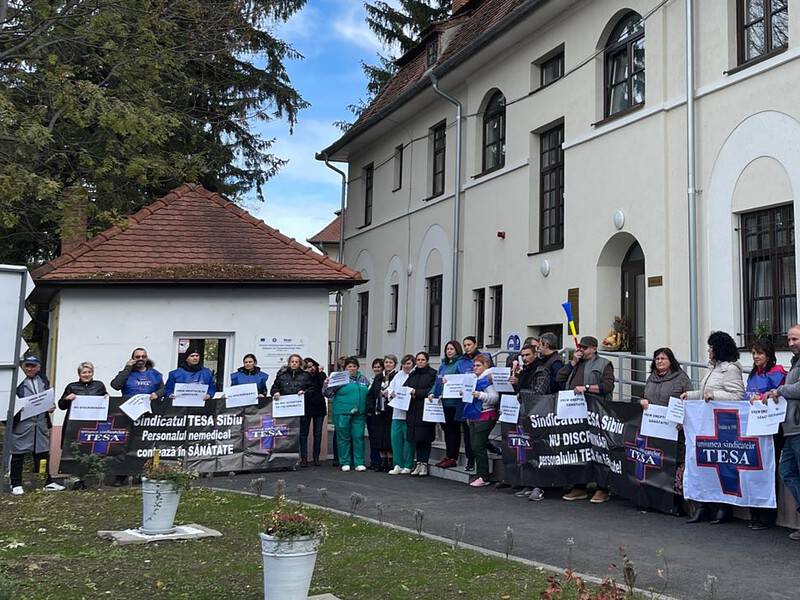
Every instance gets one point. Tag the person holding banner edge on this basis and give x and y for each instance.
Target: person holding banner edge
(589, 374)
(31, 435)
(191, 371)
(722, 382)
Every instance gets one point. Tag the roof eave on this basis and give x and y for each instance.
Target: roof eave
(327, 283)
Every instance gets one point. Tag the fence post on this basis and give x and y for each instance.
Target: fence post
(621, 378)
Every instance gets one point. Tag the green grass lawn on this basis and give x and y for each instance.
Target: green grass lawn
(50, 550)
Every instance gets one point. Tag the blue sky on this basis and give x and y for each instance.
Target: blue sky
(334, 38)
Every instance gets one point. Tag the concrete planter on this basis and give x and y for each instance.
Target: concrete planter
(159, 504)
(288, 566)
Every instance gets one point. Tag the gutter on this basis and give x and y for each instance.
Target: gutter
(691, 184)
(339, 258)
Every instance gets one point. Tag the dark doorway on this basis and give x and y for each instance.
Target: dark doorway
(212, 355)
(634, 290)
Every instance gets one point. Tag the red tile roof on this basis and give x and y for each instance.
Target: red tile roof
(194, 235)
(329, 235)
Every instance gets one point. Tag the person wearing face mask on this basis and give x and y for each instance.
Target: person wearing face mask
(349, 407)
(402, 449)
(191, 371)
(139, 376)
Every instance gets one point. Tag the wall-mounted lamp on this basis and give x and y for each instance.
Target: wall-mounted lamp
(544, 268)
(619, 219)
(501, 235)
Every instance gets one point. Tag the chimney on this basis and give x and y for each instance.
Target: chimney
(458, 5)
(73, 218)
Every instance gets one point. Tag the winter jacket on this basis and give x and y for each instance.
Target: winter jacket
(33, 433)
(377, 402)
(597, 371)
(471, 356)
(487, 401)
(723, 380)
(791, 391)
(131, 382)
(190, 374)
(660, 388)
(257, 376)
(397, 382)
(350, 398)
(760, 382)
(79, 388)
(289, 382)
(422, 382)
(459, 365)
(545, 375)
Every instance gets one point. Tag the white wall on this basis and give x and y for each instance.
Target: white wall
(104, 325)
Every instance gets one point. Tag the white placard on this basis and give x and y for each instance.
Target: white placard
(469, 387)
(338, 379)
(433, 411)
(136, 406)
(402, 398)
(571, 406)
(288, 406)
(245, 394)
(501, 380)
(675, 410)
(656, 424)
(190, 394)
(509, 409)
(36, 404)
(457, 384)
(89, 408)
(766, 419)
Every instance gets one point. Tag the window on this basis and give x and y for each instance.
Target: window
(438, 134)
(551, 189)
(768, 278)
(369, 173)
(551, 70)
(394, 293)
(434, 286)
(496, 298)
(398, 168)
(432, 51)
(494, 133)
(763, 28)
(363, 323)
(624, 65)
(479, 300)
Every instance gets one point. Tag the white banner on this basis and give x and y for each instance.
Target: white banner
(89, 408)
(288, 406)
(136, 406)
(675, 410)
(656, 424)
(723, 464)
(501, 380)
(765, 419)
(433, 411)
(237, 396)
(571, 406)
(190, 394)
(402, 398)
(509, 409)
(36, 404)
(338, 379)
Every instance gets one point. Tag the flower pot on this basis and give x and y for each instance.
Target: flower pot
(159, 505)
(288, 566)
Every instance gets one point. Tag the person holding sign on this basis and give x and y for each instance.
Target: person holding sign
(86, 385)
(379, 413)
(31, 435)
(402, 450)
(589, 374)
(139, 376)
(315, 410)
(481, 415)
(349, 407)
(191, 371)
(722, 382)
(453, 363)
(250, 372)
(765, 375)
(420, 432)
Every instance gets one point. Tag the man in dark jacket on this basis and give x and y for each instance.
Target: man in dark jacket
(31, 435)
(548, 366)
(524, 379)
(139, 377)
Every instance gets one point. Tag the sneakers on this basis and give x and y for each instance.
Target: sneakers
(423, 470)
(536, 495)
(523, 493)
(396, 470)
(345, 468)
(575, 494)
(479, 483)
(447, 463)
(470, 465)
(795, 535)
(17, 490)
(417, 467)
(405, 471)
(492, 449)
(54, 487)
(599, 497)
(361, 468)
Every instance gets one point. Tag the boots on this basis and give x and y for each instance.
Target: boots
(723, 515)
(701, 514)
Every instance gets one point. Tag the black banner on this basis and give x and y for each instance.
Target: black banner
(207, 440)
(542, 451)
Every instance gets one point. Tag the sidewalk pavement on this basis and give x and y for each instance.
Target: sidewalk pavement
(759, 565)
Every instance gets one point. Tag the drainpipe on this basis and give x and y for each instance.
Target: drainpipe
(690, 182)
(456, 205)
(339, 258)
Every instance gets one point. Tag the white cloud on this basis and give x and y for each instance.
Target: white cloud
(298, 216)
(352, 27)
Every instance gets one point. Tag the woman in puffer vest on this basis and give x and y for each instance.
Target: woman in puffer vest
(481, 415)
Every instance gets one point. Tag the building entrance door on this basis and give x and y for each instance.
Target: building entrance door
(634, 312)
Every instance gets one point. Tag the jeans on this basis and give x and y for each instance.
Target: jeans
(789, 466)
(305, 422)
(17, 461)
(479, 432)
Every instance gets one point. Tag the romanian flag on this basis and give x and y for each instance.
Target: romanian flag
(568, 310)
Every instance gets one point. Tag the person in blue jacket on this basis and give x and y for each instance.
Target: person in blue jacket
(191, 371)
(249, 372)
(139, 377)
(453, 363)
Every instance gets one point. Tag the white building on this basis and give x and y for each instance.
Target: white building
(573, 171)
(192, 266)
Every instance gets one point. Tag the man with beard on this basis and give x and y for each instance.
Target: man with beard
(139, 377)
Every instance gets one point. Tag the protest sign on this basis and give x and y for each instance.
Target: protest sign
(766, 418)
(402, 398)
(455, 384)
(37, 403)
(656, 424)
(291, 405)
(509, 409)
(190, 394)
(675, 410)
(338, 379)
(433, 411)
(245, 394)
(501, 380)
(469, 388)
(571, 405)
(136, 406)
(89, 408)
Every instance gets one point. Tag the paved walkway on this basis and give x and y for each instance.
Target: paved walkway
(748, 565)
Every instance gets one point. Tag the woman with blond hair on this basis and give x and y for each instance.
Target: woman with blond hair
(86, 385)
